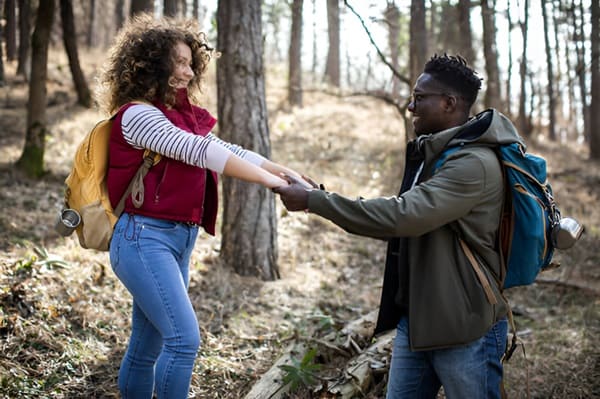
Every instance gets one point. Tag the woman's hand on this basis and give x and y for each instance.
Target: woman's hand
(280, 170)
(244, 170)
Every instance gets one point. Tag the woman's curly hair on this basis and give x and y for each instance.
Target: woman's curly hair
(141, 61)
(455, 73)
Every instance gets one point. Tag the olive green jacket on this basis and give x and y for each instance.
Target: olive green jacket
(427, 272)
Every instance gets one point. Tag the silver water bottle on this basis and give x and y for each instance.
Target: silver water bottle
(67, 221)
(566, 233)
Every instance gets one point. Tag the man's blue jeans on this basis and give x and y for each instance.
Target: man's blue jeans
(470, 371)
(151, 258)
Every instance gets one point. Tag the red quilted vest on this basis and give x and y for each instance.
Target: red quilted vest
(173, 190)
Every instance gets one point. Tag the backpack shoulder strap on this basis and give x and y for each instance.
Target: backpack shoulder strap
(136, 185)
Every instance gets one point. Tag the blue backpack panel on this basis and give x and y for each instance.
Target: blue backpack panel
(529, 214)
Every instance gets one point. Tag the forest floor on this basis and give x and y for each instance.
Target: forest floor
(64, 317)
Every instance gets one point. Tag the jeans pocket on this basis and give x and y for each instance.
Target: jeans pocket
(164, 226)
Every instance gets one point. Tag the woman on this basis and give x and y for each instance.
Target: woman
(152, 74)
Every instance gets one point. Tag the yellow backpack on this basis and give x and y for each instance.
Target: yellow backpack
(87, 206)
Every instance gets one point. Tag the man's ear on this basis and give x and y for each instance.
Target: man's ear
(450, 103)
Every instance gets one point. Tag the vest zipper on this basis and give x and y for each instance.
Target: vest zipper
(162, 179)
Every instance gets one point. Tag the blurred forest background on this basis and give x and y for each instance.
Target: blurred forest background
(323, 87)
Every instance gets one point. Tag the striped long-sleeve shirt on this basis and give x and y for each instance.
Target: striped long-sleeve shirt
(145, 126)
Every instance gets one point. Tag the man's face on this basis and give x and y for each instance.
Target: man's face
(428, 106)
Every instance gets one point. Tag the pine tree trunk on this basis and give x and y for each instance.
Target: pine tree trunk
(170, 8)
(249, 242)
(418, 38)
(581, 72)
(332, 66)
(595, 105)
(24, 37)
(84, 96)
(120, 14)
(550, 71)
(295, 56)
(10, 28)
(392, 17)
(465, 34)
(523, 122)
(418, 51)
(509, 69)
(560, 119)
(492, 93)
(32, 158)
(139, 6)
(1, 57)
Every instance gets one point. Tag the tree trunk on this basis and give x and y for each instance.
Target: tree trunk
(92, 39)
(195, 10)
(492, 93)
(249, 242)
(70, 41)
(447, 34)
(392, 17)
(138, 6)
(550, 76)
(465, 35)
(10, 14)
(170, 8)
(2, 78)
(418, 37)
(332, 67)
(595, 105)
(32, 158)
(524, 127)
(313, 68)
(560, 120)
(510, 62)
(120, 14)
(418, 50)
(295, 56)
(23, 67)
(573, 130)
(581, 73)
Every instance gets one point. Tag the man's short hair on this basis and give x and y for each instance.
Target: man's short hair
(454, 72)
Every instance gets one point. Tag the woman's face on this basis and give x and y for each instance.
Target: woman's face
(182, 72)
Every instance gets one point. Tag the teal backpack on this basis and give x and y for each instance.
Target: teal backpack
(529, 214)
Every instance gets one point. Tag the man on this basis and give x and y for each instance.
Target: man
(448, 309)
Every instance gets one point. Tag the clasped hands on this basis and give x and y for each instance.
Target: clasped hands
(295, 195)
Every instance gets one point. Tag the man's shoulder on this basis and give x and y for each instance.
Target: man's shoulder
(482, 153)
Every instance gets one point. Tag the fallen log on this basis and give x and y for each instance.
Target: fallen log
(270, 384)
(360, 370)
(356, 375)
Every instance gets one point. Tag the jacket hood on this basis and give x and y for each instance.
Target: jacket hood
(489, 127)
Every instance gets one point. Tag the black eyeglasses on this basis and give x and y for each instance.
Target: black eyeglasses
(415, 98)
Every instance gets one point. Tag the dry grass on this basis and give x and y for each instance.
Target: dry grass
(64, 326)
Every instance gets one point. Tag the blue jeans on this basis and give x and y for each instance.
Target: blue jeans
(151, 258)
(470, 371)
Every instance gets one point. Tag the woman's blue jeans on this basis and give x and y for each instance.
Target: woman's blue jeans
(151, 258)
(470, 371)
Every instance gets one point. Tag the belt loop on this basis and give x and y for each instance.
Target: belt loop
(130, 222)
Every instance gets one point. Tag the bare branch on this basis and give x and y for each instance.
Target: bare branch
(381, 56)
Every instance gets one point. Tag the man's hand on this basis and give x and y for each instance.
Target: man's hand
(294, 196)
